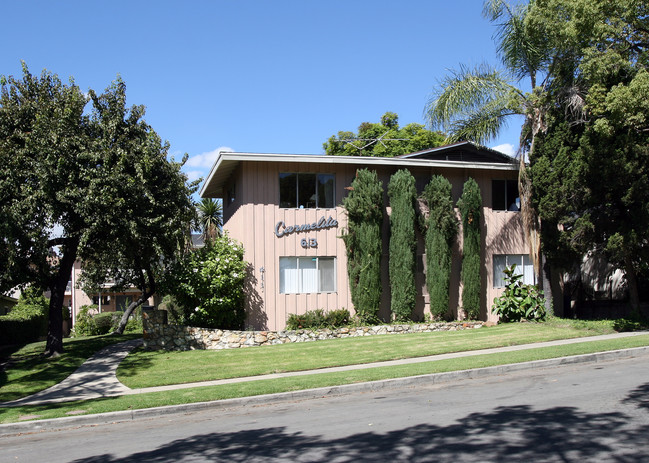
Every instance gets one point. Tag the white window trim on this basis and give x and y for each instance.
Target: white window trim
(317, 268)
(521, 268)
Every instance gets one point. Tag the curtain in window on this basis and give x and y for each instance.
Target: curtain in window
(523, 267)
(500, 262)
(288, 275)
(528, 270)
(309, 274)
(327, 274)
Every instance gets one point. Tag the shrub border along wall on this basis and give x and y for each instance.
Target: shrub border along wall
(159, 335)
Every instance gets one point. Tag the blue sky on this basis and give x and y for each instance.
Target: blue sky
(256, 76)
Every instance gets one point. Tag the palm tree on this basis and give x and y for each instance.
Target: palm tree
(210, 218)
(474, 104)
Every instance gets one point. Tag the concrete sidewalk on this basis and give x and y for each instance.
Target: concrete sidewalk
(94, 379)
(97, 378)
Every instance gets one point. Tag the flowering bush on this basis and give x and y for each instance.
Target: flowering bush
(208, 284)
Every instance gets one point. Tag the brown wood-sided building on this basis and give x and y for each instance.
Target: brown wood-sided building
(286, 211)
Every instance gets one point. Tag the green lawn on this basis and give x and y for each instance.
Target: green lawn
(158, 368)
(253, 388)
(28, 371)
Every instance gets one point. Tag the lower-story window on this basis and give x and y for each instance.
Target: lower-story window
(307, 275)
(523, 267)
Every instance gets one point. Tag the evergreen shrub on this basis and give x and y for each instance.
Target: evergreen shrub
(175, 312)
(27, 320)
(84, 324)
(314, 319)
(105, 321)
(441, 232)
(403, 245)
(470, 205)
(364, 207)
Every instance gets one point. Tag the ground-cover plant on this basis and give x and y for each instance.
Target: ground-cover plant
(156, 368)
(26, 370)
(318, 319)
(519, 301)
(269, 386)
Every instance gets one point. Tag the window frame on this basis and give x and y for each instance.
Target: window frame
(300, 284)
(317, 182)
(522, 261)
(506, 193)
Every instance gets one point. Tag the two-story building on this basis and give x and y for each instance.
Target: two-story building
(286, 211)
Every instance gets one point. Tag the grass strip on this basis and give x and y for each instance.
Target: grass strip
(27, 370)
(160, 368)
(253, 388)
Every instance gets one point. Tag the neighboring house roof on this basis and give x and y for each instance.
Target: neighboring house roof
(463, 151)
(6, 303)
(8, 298)
(459, 155)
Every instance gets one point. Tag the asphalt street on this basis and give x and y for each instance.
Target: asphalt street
(572, 413)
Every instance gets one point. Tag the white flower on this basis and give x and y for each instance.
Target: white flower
(196, 309)
(235, 275)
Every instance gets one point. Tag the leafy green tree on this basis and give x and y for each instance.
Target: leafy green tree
(403, 244)
(441, 232)
(384, 139)
(45, 155)
(68, 189)
(210, 218)
(208, 285)
(470, 205)
(364, 207)
(149, 193)
(591, 171)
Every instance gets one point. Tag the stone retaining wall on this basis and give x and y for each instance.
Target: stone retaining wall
(159, 335)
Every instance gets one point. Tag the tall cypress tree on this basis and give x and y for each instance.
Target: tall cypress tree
(441, 233)
(403, 244)
(470, 205)
(364, 205)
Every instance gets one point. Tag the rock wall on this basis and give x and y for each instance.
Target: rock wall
(159, 335)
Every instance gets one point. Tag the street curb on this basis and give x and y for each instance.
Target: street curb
(330, 391)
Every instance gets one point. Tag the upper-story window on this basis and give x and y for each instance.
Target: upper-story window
(232, 193)
(504, 195)
(305, 191)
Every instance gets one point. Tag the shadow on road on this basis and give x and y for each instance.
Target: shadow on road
(517, 433)
(639, 396)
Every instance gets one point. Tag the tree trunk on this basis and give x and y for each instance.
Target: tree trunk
(632, 281)
(54, 344)
(129, 310)
(546, 284)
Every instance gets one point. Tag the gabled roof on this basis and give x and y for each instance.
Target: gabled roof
(464, 155)
(464, 151)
